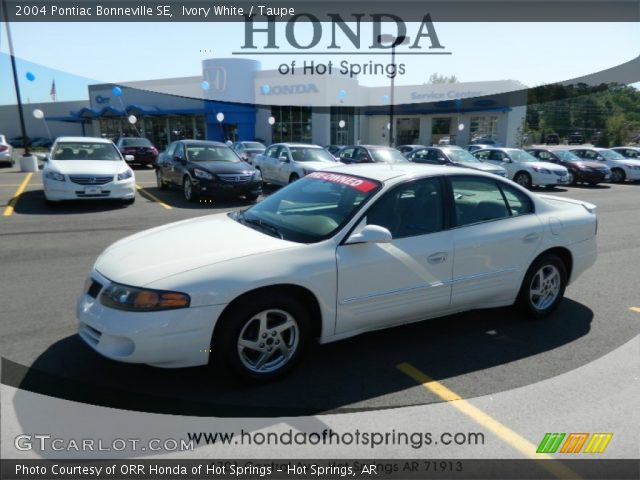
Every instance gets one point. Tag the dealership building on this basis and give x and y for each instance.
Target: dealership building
(234, 99)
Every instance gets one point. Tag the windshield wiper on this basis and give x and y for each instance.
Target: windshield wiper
(272, 229)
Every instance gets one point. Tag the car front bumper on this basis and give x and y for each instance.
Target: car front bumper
(168, 339)
(67, 190)
(593, 176)
(544, 179)
(215, 187)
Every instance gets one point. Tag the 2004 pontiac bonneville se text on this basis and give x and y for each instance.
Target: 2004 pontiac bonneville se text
(335, 254)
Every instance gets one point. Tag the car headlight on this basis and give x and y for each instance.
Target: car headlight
(124, 175)
(541, 170)
(307, 171)
(203, 174)
(633, 167)
(51, 175)
(123, 297)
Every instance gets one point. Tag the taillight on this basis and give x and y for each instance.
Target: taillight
(3, 148)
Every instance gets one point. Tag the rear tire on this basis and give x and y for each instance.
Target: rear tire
(543, 286)
(160, 181)
(262, 338)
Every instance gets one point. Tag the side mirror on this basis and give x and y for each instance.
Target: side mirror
(129, 158)
(283, 158)
(371, 234)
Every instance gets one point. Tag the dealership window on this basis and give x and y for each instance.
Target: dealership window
(484, 126)
(293, 124)
(344, 135)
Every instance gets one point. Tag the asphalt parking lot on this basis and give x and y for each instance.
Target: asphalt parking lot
(47, 251)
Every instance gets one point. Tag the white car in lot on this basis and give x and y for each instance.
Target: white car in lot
(284, 163)
(621, 168)
(337, 253)
(523, 168)
(6, 151)
(87, 168)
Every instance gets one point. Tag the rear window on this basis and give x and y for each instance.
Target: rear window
(135, 142)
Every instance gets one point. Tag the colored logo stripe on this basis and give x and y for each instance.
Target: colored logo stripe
(574, 443)
(550, 443)
(598, 443)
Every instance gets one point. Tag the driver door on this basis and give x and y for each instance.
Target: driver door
(408, 279)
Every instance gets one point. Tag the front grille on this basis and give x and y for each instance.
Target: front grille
(90, 180)
(81, 194)
(235, 177)
(94, 289)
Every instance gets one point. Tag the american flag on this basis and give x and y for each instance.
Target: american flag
(53, 90)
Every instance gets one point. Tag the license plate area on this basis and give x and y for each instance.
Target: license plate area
(92, 190)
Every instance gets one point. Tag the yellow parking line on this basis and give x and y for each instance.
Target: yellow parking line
(635, 309)
(152, 197)
(8, 211)
(510, 437)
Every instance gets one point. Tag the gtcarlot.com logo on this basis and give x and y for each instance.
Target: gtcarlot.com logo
(597, 442)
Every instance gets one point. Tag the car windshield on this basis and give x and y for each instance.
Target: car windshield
(310, 154)
(459, 155)
(135, 142)
(387, 155)
(253, 145)
(85, 151)
(211, 153)
(611, 155)
(311, 209)
(566, 156)
(521, 156)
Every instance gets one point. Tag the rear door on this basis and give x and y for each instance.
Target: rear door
(496, 236)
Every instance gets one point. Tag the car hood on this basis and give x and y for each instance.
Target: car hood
(316, 165)
(224, 167)
(96, 167)
(171, 249)
(546, 165)
(485, 167)
(588, 164)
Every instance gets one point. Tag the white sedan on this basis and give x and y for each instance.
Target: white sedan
(86, 168)
(337, 253)
(284, 163)
(523, 168)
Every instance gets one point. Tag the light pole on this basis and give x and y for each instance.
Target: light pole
(23, 130)
(395, 41)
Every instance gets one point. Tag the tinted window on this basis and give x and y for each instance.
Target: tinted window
(414, 208)
(135, 142)
(387, 155)
(171, 149)
(310, 154)
(477, 200)
(179, 152)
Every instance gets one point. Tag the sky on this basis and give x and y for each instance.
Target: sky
(79, 54)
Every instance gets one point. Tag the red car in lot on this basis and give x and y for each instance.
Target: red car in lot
(143, 151)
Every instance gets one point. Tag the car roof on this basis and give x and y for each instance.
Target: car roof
(294, 144)
(83, 139)
(202, 142)
(384, 172)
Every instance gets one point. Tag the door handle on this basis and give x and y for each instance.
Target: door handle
(532, 237)
(439, 257)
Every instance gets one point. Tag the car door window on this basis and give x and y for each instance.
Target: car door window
(631, 154)
(171, 150)
(482, 155)
(518, 202)
(272, 152)
(362, 156)
(347, 153)
(497, 156)
(477, 200)
(415, 208)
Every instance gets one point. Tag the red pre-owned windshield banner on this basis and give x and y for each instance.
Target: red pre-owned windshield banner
(353, 182)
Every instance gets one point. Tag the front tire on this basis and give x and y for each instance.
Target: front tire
(293, 177)
(523, 179)
(618, 175)
(188, 190)
(262, 338)
(543, 286)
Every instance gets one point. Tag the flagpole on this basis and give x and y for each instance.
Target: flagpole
(5, 13)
